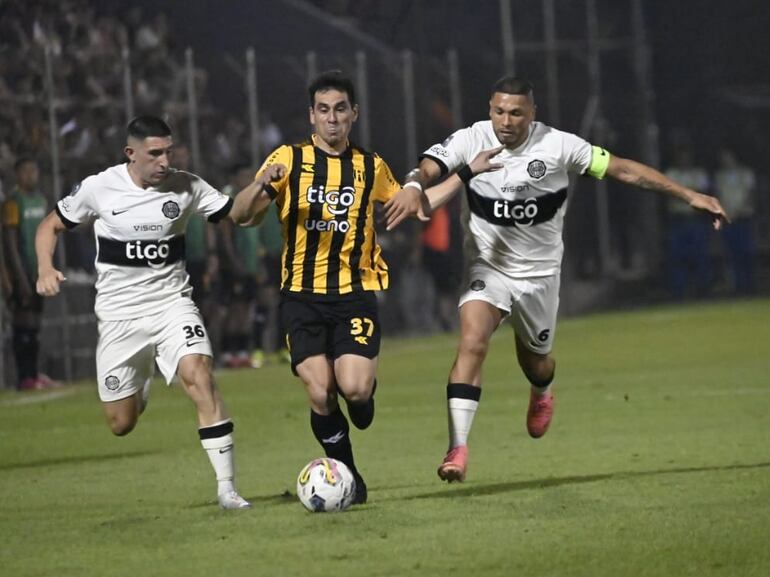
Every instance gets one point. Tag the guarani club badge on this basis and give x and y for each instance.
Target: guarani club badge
(170, 209)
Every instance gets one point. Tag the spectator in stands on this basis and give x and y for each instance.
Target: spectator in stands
(437, 261)
(734, 184)
(269, 336)
(24, 209)
(242, 267)
(689, 261)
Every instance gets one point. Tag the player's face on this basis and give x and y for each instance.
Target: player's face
(511, 116)
(332, 117)
(149, 159)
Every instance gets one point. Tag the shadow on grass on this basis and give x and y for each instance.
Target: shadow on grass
(496, 488)
(75, 460)
(282, 499)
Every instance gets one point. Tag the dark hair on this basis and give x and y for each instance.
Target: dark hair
(142, 127)
(332, 79)
(513, 85)
(21, 161)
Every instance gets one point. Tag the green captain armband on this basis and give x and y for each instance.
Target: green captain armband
(600, 160)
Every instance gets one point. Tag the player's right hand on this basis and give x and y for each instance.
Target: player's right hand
(273, 173)
(48, 282)
(483, 161)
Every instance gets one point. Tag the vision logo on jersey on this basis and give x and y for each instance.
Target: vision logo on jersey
(536, 169)
(337, 202)
(170, 209)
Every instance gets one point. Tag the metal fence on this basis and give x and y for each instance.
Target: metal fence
(590, 80)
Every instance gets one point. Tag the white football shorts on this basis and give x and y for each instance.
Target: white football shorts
(128, 350)
(532, 303)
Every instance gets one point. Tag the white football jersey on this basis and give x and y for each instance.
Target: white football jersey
(140, 236)
(517, 212)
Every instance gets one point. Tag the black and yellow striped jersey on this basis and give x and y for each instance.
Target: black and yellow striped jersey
(326, 208)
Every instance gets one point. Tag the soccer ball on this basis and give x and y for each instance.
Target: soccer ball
(326, 485)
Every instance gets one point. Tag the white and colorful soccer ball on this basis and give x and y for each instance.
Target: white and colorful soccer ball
(326, 485)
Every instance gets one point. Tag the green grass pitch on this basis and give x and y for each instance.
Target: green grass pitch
(657, 463)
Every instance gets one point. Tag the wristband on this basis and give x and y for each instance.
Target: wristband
(413, 184)
(465, 173)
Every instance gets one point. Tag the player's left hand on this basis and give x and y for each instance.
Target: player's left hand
(482, 162)
(711, 205)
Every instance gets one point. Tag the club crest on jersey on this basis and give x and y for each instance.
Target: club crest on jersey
(112, 383)
(536, 169)
(170, 209)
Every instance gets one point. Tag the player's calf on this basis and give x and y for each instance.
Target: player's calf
(361, 408)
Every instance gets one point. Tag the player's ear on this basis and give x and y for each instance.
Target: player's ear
(355, 112)
(129, 152)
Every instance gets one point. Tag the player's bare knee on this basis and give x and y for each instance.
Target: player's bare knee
(474, 346)
(356, 390)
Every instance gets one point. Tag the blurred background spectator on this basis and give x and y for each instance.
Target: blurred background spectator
(72, 72)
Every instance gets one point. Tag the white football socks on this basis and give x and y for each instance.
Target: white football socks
(461, 413)
(220, 450)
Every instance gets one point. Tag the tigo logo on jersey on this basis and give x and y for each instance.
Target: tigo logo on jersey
(152, 252)
(523, 213)
(337, 203)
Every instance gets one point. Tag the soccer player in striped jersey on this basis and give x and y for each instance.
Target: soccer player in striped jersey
(140, 210)
(332, 264)
(516, 222)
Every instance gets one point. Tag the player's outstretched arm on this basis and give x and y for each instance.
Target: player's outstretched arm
(48, 277)
(252, 202)
(422, 204)
(411, 199)
(441, 194)
(638, 174)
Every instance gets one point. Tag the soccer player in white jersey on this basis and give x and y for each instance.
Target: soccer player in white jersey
(517, 202)
(143, 302)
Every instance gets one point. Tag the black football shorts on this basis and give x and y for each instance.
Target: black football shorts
(331, 326)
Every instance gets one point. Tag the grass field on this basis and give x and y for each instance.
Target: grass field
(657, 463)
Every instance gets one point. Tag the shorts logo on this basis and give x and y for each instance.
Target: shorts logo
(478, 285)
(170, 209)
(112, 383)
(536, 169)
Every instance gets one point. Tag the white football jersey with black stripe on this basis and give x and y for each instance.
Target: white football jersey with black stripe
(140, 236)
(517, 212)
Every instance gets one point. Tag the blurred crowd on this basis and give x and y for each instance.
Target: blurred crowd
(88, 53)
